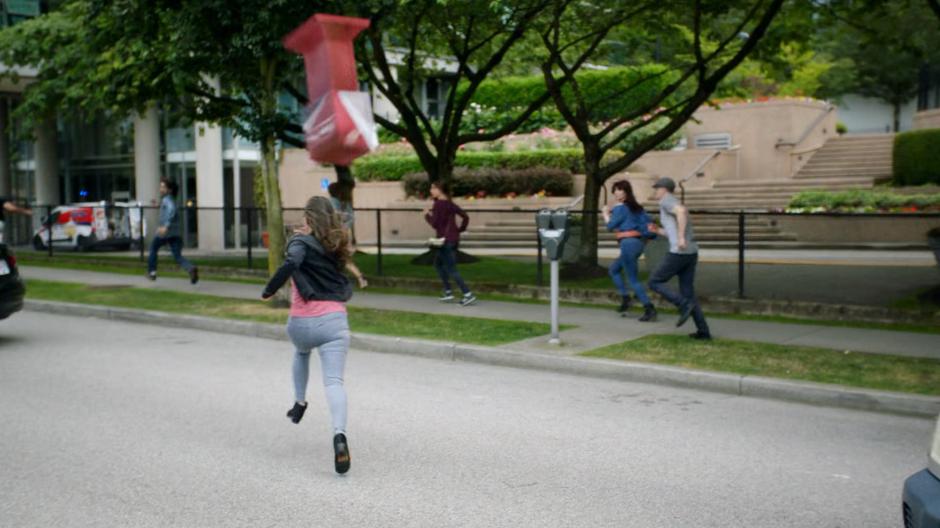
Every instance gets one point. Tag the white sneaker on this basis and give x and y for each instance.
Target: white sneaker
(447, 297)
(468, 299)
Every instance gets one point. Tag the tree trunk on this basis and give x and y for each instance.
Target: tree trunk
(586, 264)
(443, 169)
(587, 253)
(345, 179)
(272, 202)
(272, 188)
(897, 117)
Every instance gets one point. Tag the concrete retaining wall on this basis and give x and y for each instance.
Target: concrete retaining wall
(860, 230)
(927, 119)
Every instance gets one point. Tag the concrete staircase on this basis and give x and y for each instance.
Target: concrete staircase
(848, 162)
(765, 194)
(863, 156)
(711, 230)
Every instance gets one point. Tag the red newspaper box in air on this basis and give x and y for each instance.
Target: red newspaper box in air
(340, 127)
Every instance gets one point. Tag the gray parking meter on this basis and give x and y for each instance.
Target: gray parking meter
(553, 233)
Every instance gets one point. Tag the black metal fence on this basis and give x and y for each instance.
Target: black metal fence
(754, 253)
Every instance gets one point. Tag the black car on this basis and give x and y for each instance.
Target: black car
(921, 496)
(11, 286)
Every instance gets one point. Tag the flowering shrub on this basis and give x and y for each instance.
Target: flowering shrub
(862, 201)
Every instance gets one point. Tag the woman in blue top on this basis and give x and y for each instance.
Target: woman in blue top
(631, 224)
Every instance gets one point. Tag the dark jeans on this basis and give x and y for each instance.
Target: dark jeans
(682, 266)
(176, 246)
(445, 262)
(630, 251)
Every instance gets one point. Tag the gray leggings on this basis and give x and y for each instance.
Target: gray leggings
(330, 335)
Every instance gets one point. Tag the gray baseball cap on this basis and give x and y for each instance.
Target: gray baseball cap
(665, 183)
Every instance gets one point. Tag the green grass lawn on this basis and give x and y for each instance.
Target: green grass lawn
(127, 266)
(926, 300)
(489, 269)
(472, 330)
(74, 259)
(132, 266)
(873, 371)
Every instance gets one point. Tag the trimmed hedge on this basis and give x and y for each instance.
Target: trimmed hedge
(605, 91)
(385, 168)
(917, 157)
(498, 182)
(394, 168)
(863, 200)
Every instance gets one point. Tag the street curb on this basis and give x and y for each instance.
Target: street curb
(750, 386)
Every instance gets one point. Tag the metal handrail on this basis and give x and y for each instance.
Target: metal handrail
(819, 119)
(697, 171)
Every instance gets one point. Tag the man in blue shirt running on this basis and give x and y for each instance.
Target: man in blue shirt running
(169, 233)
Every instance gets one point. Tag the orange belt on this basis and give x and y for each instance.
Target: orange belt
(633, 233)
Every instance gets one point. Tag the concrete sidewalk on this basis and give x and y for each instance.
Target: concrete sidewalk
(594, 327)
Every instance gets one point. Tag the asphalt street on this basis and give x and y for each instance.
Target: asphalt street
(114, 424)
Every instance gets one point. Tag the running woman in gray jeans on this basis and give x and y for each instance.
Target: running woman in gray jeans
(316, 256)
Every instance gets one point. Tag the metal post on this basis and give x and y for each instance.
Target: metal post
(140, 209)
(251, 210)
(554, 340)
(237, 192)
(741, 255)
(49, 229)
(539, 281)
(378, 241)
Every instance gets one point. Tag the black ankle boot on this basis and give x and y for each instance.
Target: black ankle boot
(649, 313)
(297, 412)
(341, 453)
(624, 305)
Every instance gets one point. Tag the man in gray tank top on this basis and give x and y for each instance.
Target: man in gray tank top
(680, 261)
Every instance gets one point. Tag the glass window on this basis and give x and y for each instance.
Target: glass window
(180, 139)
(432, 97)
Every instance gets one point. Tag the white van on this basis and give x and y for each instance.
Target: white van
(92, 225)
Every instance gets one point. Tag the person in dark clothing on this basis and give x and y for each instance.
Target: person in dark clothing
(442, 216)
(168, 233)
(8, 206)
(341, 198)
(632, 226)
(680, 261)
(316, 256)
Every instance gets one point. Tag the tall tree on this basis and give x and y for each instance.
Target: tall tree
(886, 43)
(237, 44)
(409, 42)
(74, 76)
(935, 7)
(212, 60)
(710, 39)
